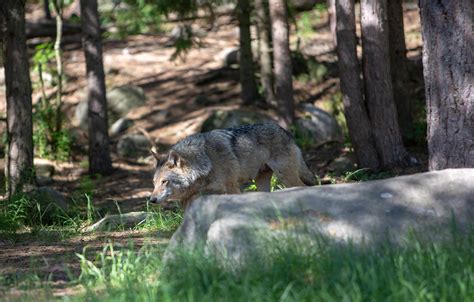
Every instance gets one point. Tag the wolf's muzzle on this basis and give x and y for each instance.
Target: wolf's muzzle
(161, 197)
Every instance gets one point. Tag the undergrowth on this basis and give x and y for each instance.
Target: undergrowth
(295, 271)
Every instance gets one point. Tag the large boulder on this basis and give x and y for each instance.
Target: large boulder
(369, 212)
(120, 101)
(226, 119)
(44, 170)
(318, 127)
(133, 146)
(48, 205)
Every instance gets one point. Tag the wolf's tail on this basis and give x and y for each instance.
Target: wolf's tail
(306, 176)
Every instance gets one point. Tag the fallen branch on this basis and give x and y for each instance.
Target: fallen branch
(112, 222)
(48, 29)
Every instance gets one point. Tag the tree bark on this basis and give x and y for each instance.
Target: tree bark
(332, 19)
(282, 61)
(378, 85)
(47, 11)
(99, 154)
(351, 87)
(19, 168)
(448, 68)
(398, 59)
(58, 10)
(249, 93)
(265, 58)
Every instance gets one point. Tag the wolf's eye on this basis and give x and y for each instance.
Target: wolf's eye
(164, 182)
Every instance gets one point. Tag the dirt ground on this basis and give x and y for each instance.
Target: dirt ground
(169, 115)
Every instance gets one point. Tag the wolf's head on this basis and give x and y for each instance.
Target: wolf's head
(174, 178)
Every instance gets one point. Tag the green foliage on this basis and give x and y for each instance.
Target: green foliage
(305, 25)
(308, 69)
(133, 17)
(50, 143)
(50, 138)
(306, 21)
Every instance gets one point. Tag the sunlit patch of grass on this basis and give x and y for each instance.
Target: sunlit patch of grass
(162, 221)
(294, 271)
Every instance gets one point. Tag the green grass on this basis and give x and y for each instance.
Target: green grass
(295, 271)
(287, 269)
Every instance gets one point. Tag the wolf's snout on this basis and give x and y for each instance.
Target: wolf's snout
(160, 197)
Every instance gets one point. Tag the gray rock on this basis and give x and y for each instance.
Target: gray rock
(318, 126)
(425, 203)
(226, 119)
(44, 169)
(133, 146)
(341, 164)
(120, 101)
(50, 199)
(120, 126)
(228, 56)
(44, 172)
(231, 56)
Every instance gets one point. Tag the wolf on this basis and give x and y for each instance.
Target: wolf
(219, 161)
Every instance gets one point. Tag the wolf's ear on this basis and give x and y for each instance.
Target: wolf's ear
(175, 159)
(155, 155)
(159, 159)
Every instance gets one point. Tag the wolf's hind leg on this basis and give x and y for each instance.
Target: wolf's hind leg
(232, 187)
(263, 180)
(287, 172)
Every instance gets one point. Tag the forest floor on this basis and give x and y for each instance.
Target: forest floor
(169, 115)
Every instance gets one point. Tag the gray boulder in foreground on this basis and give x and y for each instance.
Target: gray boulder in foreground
(360, 212)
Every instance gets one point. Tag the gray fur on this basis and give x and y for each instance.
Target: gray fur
(220, 160)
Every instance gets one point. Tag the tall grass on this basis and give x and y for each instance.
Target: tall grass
(294, 271)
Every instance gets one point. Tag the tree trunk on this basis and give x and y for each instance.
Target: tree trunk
(282, 61)
(351, 87)
(19, 165)
(448, 68)
(332, 19)
(47, 11)
(264, 34)
(378, 84)
(58, 10)
(398, 59)
(249, 93)
(99, 154)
